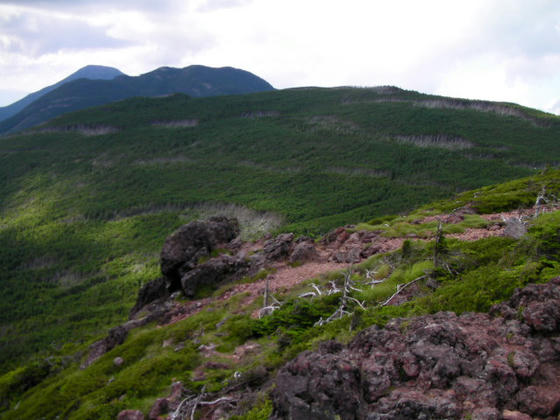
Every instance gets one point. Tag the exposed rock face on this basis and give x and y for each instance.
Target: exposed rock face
(436, 366)
(182, 249)
(213, 272)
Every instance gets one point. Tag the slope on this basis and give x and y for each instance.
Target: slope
(231, 361)
(193, 80)
(88, 72)
(86, 202)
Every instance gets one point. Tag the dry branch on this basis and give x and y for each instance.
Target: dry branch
(400, 288)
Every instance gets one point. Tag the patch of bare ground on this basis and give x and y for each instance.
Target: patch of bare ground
(482, 106)
(260, 114)
(86, 130)
(442, 141)
(163, 160)
(268, 168)
(285, 276)
(176, 124)
(358, 172)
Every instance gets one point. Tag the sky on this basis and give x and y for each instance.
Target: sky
(502, 50)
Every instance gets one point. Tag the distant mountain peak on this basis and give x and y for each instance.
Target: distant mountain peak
(91, 71)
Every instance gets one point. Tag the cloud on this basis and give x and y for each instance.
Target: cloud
(36, 34)
(487, 49)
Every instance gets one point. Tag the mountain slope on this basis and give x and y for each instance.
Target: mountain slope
(214, 348)
(194, 81)
(87, 72)
(87, 200)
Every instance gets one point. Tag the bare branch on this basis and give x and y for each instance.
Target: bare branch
(197, 401)
(400, 288)
(316, 288)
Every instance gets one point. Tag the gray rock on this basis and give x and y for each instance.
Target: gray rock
(183, 249)
(213, 272)
(278, 248)
(304, 251)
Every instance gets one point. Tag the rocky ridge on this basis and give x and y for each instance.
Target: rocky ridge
(502, 365)
(483, 366)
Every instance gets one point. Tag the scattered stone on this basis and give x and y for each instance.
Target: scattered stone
(349, 256)
(115, 337)
(118, 361)
(436, 366)
(130, 415)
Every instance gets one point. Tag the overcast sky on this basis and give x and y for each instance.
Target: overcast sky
(506, 50)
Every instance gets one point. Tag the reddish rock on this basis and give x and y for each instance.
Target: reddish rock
(115, 337)
(279, 247)
(160, 407)
(303, 252)
(130, 415)
(515, 415)
(435, 366)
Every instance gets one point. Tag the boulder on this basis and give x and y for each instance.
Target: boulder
(183, 248)
(130, 415)
(160, 407)
(348, 255)
(304, 251)
(213, 272)
(278, 248)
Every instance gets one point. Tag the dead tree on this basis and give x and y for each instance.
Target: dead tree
(192, 402)
(439, 245)
(268, 307)
(345, 299)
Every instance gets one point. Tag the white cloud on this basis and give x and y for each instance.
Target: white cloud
(489, 49)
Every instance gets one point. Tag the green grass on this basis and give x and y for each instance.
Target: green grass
(83, 218)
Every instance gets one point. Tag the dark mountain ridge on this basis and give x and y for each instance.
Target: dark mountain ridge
(195, 81)
(92, 72)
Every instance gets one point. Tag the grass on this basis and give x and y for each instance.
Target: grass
(482, 273)
(83, 218)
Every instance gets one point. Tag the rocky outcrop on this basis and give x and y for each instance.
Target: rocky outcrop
(183, 249)
(115, 337)
(153, 291)
(213, 272)
(279, 247)
(502, 365)
(303, 252)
